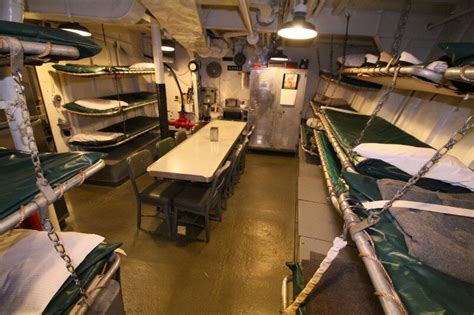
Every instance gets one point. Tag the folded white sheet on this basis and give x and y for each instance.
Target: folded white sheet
(31, 272)
(355, 60)
(97, 136)
(142, 65)
(100, 104)
(410, 159)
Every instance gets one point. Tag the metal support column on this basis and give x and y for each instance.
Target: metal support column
(159, 78)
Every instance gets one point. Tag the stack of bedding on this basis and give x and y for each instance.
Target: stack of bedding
(112, 104)
(428, 255)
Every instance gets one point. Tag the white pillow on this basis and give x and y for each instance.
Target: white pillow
(31, 272)
(143, 65)
(100, 104)
(95, 136)
(410, 159)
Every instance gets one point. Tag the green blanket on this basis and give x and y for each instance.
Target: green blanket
(40, 34)
(421, 288)
(17, 177)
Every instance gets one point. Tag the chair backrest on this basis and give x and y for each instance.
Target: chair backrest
(180, 136)
(164, 146)
(249, 133)
(136, 165)
(219, 179)
(240, 152)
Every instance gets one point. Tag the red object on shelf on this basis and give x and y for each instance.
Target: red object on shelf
(182, 121)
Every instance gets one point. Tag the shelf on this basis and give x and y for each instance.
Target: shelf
(408, 79)
(114, 112)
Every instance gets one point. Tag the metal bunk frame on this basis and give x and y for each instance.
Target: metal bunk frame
(41, 201)
(120, 142)
(119, 110)
(377, 274)
(328, 78)
(109, 72)
(408, 78)
(463, 74)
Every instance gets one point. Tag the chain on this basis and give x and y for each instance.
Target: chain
(26, 131)
(344, 48)
(455, 138)
(377, 109)
(402, 24)
(59, 247)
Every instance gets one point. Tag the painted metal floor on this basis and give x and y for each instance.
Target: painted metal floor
(238, 272)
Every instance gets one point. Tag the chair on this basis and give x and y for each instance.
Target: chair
(197, 200)
(164, 146)
(159, 194)
(246, 148)
(230, 180)
(180, 136)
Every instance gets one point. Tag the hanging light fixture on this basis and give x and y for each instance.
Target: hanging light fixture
(298, 28)
(278, 56)
(77, 28)
(167, 45)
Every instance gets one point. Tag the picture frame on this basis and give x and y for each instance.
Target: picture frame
(290, 81)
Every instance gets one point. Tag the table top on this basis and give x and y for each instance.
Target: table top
(198, 158)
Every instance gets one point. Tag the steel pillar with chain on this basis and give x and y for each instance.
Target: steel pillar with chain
(17, 114)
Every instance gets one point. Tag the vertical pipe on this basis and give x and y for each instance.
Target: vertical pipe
(12, 10)
(159, 78)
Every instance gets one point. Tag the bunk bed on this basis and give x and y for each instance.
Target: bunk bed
(402, 281)
(413, 77)
(31, 181)
(111, 104)
(348, 81)
(94, 70)
(121, 132)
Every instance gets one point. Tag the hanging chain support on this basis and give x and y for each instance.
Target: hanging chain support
(28, 139)
(401, 27)
(377, 109)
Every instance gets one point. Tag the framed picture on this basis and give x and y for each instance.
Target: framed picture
(290, 81)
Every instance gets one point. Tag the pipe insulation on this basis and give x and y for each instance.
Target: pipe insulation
(252, 37)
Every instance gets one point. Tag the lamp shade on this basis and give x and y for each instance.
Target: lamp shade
(299, 28)
(75, 28)
(278, 56)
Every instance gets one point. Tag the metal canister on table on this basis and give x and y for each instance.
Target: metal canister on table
(214, 134)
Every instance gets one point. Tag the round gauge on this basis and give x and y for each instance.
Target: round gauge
(193, 66)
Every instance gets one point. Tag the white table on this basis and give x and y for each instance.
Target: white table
(198, 158)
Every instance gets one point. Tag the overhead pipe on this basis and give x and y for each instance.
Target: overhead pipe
(159, 78)
(430, 26)
(252, 37)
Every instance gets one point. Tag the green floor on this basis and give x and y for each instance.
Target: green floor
(238, 272)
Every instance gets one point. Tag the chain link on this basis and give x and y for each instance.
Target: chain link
(455, 138)
(59, 247)
(27, 136)
(377, 109)
(402, 24)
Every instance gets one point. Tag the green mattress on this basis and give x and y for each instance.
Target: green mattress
(347, 127)
(40, 34)
(422, 289)
(17, 177)
(92, 265)
(134, 99)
